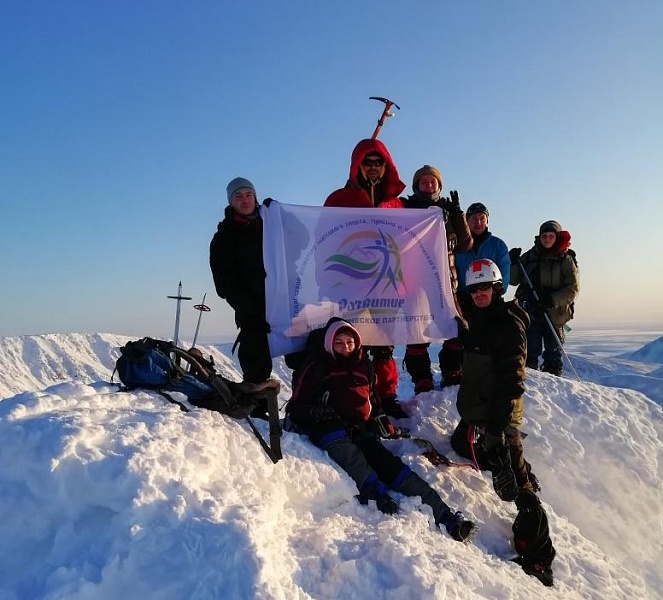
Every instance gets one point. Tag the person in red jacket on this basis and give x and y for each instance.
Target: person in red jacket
(335, 404)
(374, 182)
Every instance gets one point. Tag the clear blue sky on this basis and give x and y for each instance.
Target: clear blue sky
(121, 123)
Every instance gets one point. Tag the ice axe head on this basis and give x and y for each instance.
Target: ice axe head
(385, 113)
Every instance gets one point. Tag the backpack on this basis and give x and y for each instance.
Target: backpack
(157, 365)
(572, 254)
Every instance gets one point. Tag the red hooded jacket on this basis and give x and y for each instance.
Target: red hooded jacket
(355, 195)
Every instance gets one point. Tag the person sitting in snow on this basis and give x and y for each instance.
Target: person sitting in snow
(490, 405)
(334, 402)
(551, 267)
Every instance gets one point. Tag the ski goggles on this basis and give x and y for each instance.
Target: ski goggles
(479, 287)
(373, 162)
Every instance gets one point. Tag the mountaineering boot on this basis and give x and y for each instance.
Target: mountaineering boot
(417, 363)
(531, 538)
(374, 489)
(552, 369)
(457, 526)
(504, 478)
(451, 362)
(452, 378)
(423, 385)
(540, 571)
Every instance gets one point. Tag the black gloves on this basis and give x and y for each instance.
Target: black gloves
(514, 255)
(452, 205)
(545, 298)
(492, 441)
(463, 327)
(267, 201)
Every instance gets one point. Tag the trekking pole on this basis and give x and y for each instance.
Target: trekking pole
(179, 299)
(385, 113)
(201, 308)
(545, 314)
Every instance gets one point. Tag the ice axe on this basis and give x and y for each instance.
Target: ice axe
(385, 113)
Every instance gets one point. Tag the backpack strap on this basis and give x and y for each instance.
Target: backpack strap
(273, 450)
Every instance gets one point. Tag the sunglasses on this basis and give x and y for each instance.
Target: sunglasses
(473, 289)
(373, 162)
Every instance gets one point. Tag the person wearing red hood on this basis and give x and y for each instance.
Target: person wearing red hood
(553, 272)
(374, 182)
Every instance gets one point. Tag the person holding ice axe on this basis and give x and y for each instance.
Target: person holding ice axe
(374, 182)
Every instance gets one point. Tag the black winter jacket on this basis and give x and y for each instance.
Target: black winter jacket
(235, 258)
(494, 364)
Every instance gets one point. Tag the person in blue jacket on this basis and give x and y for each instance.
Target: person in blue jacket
(485, 245)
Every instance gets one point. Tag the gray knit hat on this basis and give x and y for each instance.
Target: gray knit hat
(552, 226)
(237, 184)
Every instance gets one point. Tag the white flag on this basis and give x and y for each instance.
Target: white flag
(386, 271)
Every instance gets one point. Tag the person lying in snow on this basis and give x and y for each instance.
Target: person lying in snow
(335, 404)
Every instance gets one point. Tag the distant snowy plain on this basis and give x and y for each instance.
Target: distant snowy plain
(107, 494)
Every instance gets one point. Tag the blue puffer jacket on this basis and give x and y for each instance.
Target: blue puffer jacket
(492, 248)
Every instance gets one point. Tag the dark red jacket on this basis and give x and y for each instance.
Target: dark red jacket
(341, 383)
(355, 195)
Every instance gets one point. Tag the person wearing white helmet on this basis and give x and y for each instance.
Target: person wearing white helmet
(490, 398)
(484, 245)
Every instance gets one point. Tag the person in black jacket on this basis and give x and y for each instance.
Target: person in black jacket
(490, 397)
(239, 276)
(427, 186)
(490, 405)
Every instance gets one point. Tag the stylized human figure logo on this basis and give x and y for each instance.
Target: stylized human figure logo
(363, 256)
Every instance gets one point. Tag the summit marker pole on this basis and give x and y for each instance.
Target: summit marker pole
(179, 299)
(201, 308)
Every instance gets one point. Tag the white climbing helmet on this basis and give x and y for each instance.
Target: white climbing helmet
(482, 271)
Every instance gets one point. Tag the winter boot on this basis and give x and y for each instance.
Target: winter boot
(457, 526)
(452, 378)
(423, 385)
(374, 489)
(417, 364)
(552, 369)
(539, 570)
(451, 362)
(459, 529)
(531, 538)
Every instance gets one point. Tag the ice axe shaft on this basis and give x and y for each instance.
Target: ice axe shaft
(385, 113)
